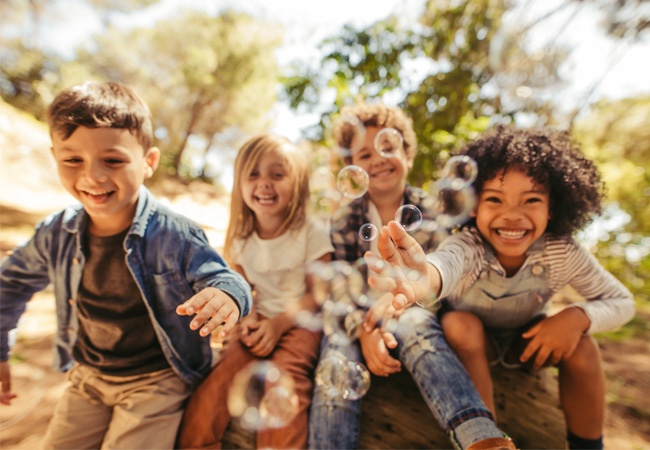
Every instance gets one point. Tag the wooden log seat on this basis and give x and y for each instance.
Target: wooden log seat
(394, 416)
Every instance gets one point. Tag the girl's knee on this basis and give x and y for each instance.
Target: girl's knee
(463, 329)
(585, 359)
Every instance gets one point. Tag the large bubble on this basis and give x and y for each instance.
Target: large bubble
(262, 396)
(352, 181)
(388, 142)
(343, 378)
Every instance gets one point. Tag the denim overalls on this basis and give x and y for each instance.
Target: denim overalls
(506, 305)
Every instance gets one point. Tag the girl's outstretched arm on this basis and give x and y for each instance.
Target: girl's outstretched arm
(402, 268)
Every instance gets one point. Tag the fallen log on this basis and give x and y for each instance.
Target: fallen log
(395, 416)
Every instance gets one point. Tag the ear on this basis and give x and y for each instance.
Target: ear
(151, 159)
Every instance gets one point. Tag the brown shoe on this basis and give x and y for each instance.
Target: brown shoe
(493, 444)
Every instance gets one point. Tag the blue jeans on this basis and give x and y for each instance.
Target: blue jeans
(441, 378)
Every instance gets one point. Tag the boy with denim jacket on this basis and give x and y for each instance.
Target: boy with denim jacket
(133, 281)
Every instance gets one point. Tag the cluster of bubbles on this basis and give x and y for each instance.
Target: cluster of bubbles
(263, 395)
(452, 198)
(341, 291)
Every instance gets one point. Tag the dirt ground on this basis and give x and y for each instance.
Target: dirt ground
(29, 189)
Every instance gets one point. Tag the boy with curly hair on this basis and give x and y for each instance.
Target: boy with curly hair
(535, 189)
(416, 343)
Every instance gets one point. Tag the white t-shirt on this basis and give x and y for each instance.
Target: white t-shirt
(277, 267)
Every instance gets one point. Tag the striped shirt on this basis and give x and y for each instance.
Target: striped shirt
(461, 258)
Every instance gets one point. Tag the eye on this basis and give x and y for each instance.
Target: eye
(279, 175)
(492, 199)
(533, 200)
(71, 161)
(114, 161)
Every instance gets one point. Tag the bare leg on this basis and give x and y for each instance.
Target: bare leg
(465, 334)
(582, 382)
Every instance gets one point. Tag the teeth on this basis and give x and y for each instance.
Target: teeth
(266, 199)
(511, 234)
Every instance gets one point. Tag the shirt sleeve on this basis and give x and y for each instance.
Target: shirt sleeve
(23, 273)
(454, 258)
(609, 303)
(206, 267)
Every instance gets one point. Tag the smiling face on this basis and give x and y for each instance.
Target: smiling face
(386, 175)
(512, 213)
(104, 168)
(267, 191)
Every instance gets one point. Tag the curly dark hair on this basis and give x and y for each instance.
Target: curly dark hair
(550, 158)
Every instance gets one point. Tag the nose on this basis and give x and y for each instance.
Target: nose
(377, 159)
(96, 172)
(512, 212)
(264, 182)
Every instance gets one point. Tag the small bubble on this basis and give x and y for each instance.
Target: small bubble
(409, 216)
(368, 232)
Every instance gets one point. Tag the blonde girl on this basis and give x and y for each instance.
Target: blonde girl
(270, 240)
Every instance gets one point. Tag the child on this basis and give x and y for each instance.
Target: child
(270, 240)
(120, 263)
(335, 422)
(496, 276)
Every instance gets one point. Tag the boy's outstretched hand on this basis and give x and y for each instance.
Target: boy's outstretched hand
(6, 396)
(402, 269)
(212, 308)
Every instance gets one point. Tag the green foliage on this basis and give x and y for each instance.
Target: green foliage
(450, 105)
(29, 78)
(201, 75)
(616, 136)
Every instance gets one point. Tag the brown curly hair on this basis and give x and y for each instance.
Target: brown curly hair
(550, 158)
(381, 116)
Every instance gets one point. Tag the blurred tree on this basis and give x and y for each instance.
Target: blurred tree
(457, 94)
(201, 75)
(616, 136)
(30, 78)
(628, 19)
(31, 73)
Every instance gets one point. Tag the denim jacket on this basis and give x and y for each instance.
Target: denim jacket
(169, 257)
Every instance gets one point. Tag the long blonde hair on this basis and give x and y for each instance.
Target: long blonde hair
(242, 219)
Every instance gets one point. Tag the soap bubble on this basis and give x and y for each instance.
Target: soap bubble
(339, 281)
(409, 216)
(368, 232)
(388, 142)
(452, 206)
(352, 181)
(340, 377)
(262, 396)
(461, 170)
